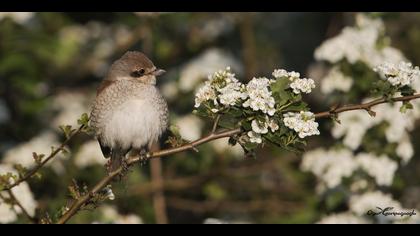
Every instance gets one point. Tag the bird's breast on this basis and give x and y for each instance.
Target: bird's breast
(131, 117)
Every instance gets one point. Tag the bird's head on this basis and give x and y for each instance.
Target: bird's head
(135, 66)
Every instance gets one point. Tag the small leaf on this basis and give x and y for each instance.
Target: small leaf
(67, 130)
(84, 120)
(38, 157)
(406, 106)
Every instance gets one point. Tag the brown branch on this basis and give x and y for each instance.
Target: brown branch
(364, 106)
(24, 211)
(75, 207)
(34, 170)
(216, 123)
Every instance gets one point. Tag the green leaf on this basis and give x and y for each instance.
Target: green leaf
(67, 130)
(279, 85)
(406, 106)
(84, 120)
(407, 91)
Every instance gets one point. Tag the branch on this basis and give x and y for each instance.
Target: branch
(34, 170)
(24, 211)
(365, 106)
(76, 206)
(216, 123)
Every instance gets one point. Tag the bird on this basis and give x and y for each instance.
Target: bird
(129, 112)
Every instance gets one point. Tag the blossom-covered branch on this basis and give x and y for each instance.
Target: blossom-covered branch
(76, 206)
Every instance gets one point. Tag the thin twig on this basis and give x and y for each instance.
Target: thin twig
(216, 123)
(75, 207)
(24, 211)
(34, 170)
(364, 106)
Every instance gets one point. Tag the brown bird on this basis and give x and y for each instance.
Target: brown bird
(129, 112)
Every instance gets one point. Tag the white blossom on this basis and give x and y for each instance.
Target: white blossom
(302, 85)
(303, 123)
(205, 93)
(358, 43)
(400, 74)
(381, 168)
(231, 93)
(298, 85)
(254, 137)
(336, 80)
(279, 73)
(109, 193)
(329, 166)
(273, 125)
(353, 127)
(405, 149)
(221, 86)
(360, 204)
(259, 96)
(259, 127)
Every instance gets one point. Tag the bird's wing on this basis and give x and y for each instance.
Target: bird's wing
(106, 151)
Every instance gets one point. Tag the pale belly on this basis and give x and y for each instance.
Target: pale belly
(135, 123)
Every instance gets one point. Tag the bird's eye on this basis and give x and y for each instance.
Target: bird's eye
(138, 73)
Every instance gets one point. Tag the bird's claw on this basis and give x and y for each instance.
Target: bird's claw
(143, 157)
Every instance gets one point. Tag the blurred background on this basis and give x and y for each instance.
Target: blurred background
(52, 63)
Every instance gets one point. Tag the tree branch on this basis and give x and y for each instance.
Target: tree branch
(34, 170)
(216, 123)
(364, 106)
(24, 211)
(76, 206)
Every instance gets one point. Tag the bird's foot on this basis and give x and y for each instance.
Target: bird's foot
(143, 157)
(124, 168)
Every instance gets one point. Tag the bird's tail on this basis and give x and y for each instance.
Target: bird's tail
(117, 156)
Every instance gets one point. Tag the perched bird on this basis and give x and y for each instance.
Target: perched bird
(129, 113)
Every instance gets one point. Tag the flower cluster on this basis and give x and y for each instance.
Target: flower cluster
(400, 74)
(221, 87)
(302, 85)
(303, 123)
(336, 81)
(259, 107)
(299, 85)
(330, 166)
(261, 127)
(381, 168)
(260, 98)
(358, 43)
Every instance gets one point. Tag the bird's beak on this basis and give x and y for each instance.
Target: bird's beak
(158, 72)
